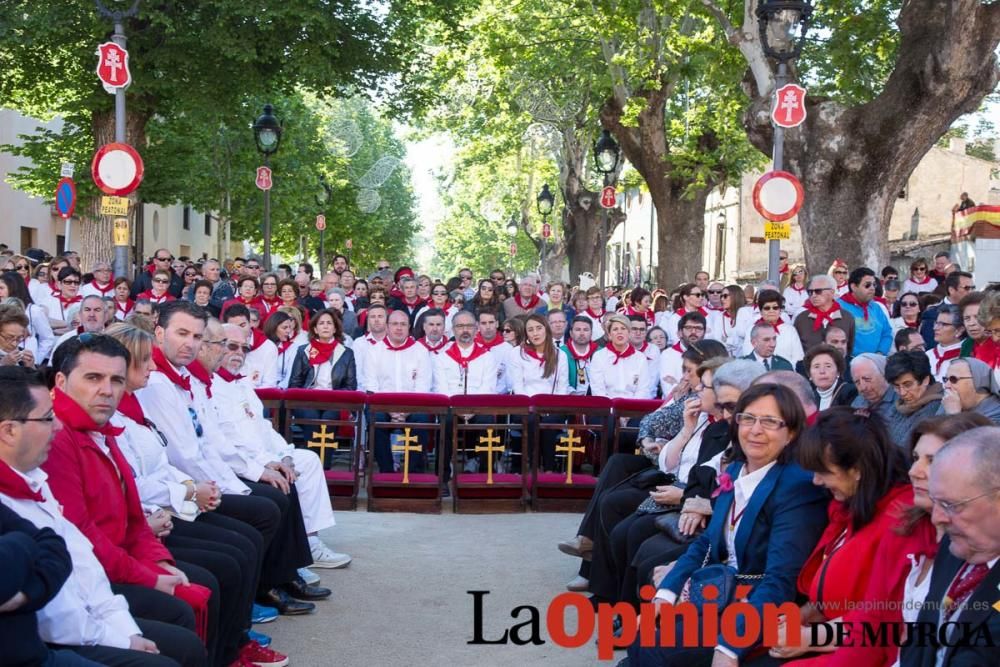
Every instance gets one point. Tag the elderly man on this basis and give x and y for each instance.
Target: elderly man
(961, 605)
(821, 312)
(102, 283)
(92, 315)
(764, 339)
(526, 301)
(242, 421)
(872, 329)
(874, 392)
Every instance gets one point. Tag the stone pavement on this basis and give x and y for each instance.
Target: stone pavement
(403, 600)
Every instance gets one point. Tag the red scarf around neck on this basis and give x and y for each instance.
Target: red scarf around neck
(823, 317)
(531, 305)
(130, 407)
(628, 352)
(681, 312)
(258, 339)
(201, 374)
(590, 313)
(319, 352)
(456, 354)
(800, 290)
(591, 348)
(678, 347)
(530, 351)
(405, 345)
(489, 345)
(947, 356)
(284, 345)
(927, 279)
(853, 300)
(227, 376)
(167, 369)
(107, 289)
(68, 302)
(124, 308)
(435, 348)
(775, 325)
(270, 303)
(15, 486)
(76, 418)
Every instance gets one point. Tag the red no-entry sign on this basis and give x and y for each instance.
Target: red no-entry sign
(778, 196)
(117, 169)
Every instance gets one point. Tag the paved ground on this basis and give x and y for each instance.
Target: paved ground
(403, 599)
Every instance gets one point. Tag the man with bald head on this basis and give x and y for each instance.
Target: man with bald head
(964, 489)
(92, 316)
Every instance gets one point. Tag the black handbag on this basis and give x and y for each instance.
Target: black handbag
(724, 578)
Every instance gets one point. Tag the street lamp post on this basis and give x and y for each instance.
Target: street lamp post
(323, 196)
(779, 21)
(546, 201)
(606, 154)
(267, 135)
(512, 233)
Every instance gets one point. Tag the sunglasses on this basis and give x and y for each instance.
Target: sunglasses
(253, 266)
(383, 268)
(953, 379)
(436, 293)
(715, 291)
(771, 307)
(818, 291)
(70, 282)
(696, 294)
(163, 281)
(909, 304)
(508, 331)
(164, 259)
(236, 347)
(22, 267)
(840, 273)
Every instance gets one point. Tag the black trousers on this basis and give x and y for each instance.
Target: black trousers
(657, 550)
(289, 550)
(230, 558)
(383, 448)
(625, 539)
(264, 513)
(177, 646)
(166, 620)
(67, 658)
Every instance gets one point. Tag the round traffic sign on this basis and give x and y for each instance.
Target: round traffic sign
(66, 198)
(117, 169)
(778, 196)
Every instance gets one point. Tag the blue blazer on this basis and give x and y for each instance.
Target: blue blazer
(781, 525)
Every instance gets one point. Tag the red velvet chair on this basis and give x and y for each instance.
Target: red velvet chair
(272, 398)
(571, 490)
(488, 491)
(630, 408)
(341, 435)
(406, 491)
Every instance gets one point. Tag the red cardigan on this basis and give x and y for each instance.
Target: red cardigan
(104, 507)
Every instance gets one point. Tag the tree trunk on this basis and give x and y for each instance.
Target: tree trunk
(854, 161)
(96, 230)
(581, 222)
(679, 204)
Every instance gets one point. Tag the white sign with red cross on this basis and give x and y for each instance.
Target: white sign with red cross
(264, 178)
(608, 196)
(789, 106)
(320, 222)
(112, 67)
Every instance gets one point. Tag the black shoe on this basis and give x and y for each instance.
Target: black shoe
(300, 590)
(285, 605)
(445, 492)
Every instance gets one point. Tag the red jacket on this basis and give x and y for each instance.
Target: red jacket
(104, 507)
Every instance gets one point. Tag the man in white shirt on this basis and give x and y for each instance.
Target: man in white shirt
(102, 285)
(398, 364)
(690, 329)
(85, 615)
(92, 315)
(376, 323)
(580, 350)
(261, 367)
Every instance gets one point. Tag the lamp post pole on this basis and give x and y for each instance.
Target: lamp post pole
(606, 155)
(267, 135)
(778, 158)
(267, 219)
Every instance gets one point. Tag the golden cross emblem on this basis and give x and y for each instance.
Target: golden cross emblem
(568, 440)
(406, 448)
(486, 444)
(326, 440)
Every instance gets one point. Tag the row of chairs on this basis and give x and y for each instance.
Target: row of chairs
(498, 432)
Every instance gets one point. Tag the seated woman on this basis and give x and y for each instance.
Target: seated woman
(247, 293)
(157, 292)
(967, 388)
(704, 436)
(282, 329)
(909, 373)
(825, 366)
(766, 521)
(850, 455)
(627, 479)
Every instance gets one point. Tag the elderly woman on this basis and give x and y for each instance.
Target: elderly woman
(967, 388)
(989, 318)
(337, 300)
(825, 366)
(851, 456)
(766, 520)
(909, 373)
(705, 435)
(40, 339)
(13, 333)
(949, 332)
(977, 343)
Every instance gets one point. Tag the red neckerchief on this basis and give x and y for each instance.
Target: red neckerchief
(15, 486)
(201, 374)
(798, 289)
(783, 270)
(629, 351)
(284, 345)
(927, 279)
(444, 341)
(249, 304)
(227, 376)
(71, 415)
(947, 356)
(531, 305)
(150, 268)
(489, 345)
(677, 346)
(540, 358)
(412, 306)
(915, 324)
(271, 303)
(582, 357)
(167, 369)
(405, 345)
(881, 299)
(776, 325)
(320, 352)
(455, 353)
(149, 296)
(66, 303)
(130, 407)
(128, 306)
(258, 339)
(594, 315)
(648, 314)
(822, 315)
(842, 285)
(853, 300)
(715, 308)
(109, 287)
(681, 312)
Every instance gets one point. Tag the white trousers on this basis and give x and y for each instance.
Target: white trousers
(317, 512)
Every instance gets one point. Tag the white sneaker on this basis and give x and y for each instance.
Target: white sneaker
(325, 557)
(309, 576)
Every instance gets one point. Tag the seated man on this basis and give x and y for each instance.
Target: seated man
(262, 360)
(764, 339)
(242, 422)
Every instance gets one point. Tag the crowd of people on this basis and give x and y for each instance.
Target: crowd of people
(790, 414)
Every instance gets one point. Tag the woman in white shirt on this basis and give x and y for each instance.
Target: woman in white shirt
(795, 294)
(283, 330)
(537, 367)
(920, 280)
(618, 370)
(40, 337)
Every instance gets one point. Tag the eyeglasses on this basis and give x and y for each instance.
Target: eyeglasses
(236, 347)
(951, 509)
(70, 282)
(818, 291)
(164, 259)
(967, 288)
(252, 266)
(508, 331)
(190, 274)
(909, 385)
(941, 325)
(868, 285)
(47, 419)
(383, 268)
(715, 291)
(693, 328)
(953, 379)
(772, 306)
(729, 407)
(840, 273)
(696, 294)
(919, 269)
(22, 267)
(726, 295)
(13, 340)
(439, 293)
(767, 423)
(909, 304)
(161, 280)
